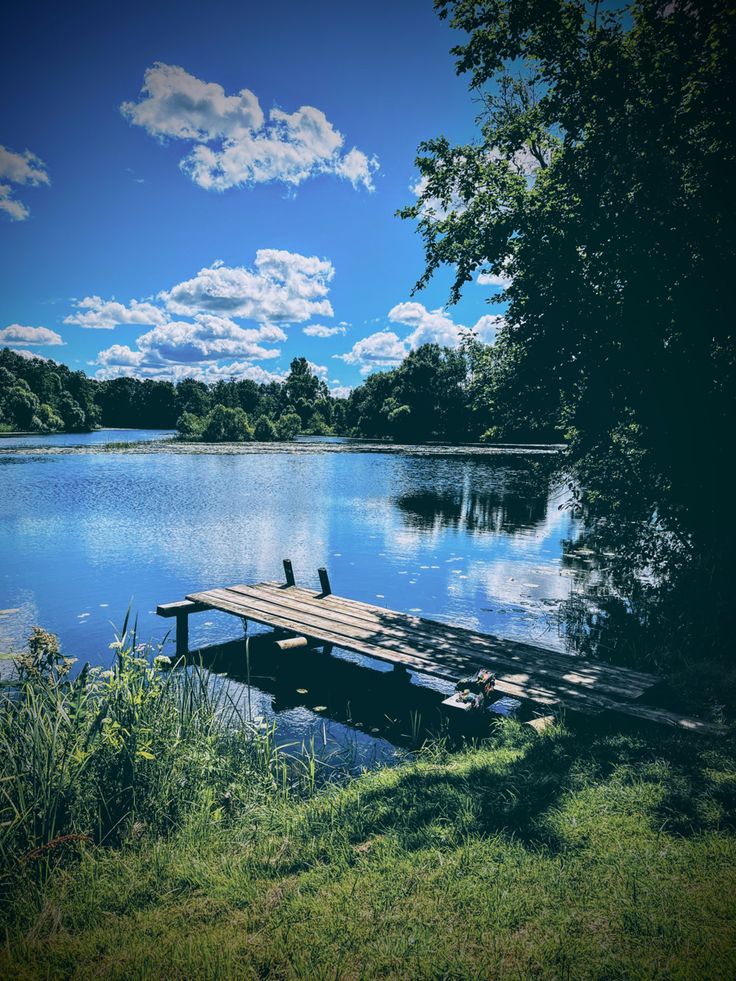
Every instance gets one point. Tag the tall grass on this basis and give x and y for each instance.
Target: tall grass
(139, 749)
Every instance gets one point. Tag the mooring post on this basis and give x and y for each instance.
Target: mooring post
(324, 581)
(289, 573)
(182, 633)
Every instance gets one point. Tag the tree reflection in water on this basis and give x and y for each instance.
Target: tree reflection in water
(481, 499)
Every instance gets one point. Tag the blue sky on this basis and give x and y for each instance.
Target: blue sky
(201, 224)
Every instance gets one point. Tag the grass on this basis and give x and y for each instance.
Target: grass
(573, 854)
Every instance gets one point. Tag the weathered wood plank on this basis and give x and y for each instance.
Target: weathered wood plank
(358, 609)
(180, 606)
(432, 647)
(425, 644)
(520, 684)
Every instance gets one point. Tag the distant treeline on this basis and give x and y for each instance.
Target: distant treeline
(434, 394)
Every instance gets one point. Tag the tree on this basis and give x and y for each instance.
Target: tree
(193, 396)
(21, 405)
(303, 389)
(288, 426)
(190, 426)
(225, 425)
(72, 413)
(600, 190)
(598, 186)
(265, 430)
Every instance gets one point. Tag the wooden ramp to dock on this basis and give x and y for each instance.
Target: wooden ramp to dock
(551, 679)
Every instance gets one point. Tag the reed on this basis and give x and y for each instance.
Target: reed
(142, 748)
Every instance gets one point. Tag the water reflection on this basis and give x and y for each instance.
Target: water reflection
(476, 512)
(463, 540)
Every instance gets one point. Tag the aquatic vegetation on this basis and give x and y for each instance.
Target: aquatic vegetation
(141, 747)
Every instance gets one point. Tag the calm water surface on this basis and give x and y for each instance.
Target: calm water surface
(98, 438)
(471, 541)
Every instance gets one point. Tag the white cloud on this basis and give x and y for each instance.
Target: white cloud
(208, 338)
(319, 330)
(381, 350)
(16, 334)
(340, 391)
(246, 148)
(21, 169)
(207, 373)
(493, 279)
(107, 314)
(435, 327)
(284, 287)
(319, 370)
(29, 355)
(386, 349)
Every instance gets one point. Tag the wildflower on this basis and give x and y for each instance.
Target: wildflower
(117, 645)
(161, 660)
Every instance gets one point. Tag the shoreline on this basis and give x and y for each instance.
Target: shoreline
(176, 448)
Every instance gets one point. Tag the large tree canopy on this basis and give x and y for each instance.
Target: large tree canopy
(601, 185)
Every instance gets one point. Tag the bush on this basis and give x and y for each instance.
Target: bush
(224, 425)
(265, 431)
(317, 426)
(190, 426)
(289, 425)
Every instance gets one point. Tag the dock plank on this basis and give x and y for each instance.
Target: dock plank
(550, 678)
(427, 646)
(373, 640)
(439, 636)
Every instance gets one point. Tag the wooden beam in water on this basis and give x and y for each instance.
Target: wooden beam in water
(289, 573)
(182, 610)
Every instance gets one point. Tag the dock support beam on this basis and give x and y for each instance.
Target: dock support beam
(182, 633)
(182, 610)
(289, 573)
(324, 581)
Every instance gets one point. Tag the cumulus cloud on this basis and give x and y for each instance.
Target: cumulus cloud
(493, 279)
(435, 327)
(319, 370)
(208, 338)
(433, 207)
(320, 330)
(283, 287)
(234, 144)
(17, 334)
(206, 373)
(19, 169)
(194, 324)
(97, 313)
(385, 349)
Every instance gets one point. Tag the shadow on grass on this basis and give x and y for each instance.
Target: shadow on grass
(517, 783)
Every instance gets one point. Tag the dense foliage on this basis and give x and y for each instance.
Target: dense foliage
(43, 396)
(599, 191)
(435, 394)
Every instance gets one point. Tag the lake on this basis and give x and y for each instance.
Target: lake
(472, 540)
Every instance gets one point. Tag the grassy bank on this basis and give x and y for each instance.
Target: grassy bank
(574, 854)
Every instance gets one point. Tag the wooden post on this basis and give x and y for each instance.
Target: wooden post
(182, 633)
(289, 573)
(324, 581)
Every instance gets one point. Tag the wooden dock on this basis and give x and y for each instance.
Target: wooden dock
(552, 680)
